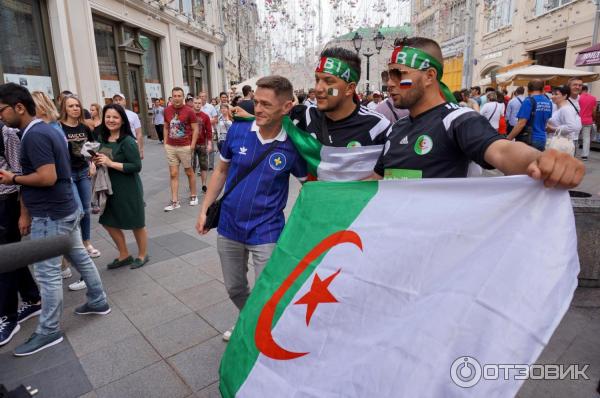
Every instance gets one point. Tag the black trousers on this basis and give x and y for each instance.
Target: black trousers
(19, 281)
(159, 131)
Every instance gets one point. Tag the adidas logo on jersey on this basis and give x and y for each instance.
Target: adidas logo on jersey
(243, 150)
(404, 140)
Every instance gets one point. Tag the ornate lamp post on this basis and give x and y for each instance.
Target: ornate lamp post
(357, 42)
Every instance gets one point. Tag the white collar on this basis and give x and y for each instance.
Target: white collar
(30, 125)
(282, 136)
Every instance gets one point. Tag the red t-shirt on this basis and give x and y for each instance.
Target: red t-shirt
(179, 122)
(204, 128)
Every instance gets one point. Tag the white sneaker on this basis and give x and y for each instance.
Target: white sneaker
(194, 201)
(66, 273)
(173, 206)
(228, 333)
(79, 285)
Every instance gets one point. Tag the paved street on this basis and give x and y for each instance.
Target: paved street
(163, 337)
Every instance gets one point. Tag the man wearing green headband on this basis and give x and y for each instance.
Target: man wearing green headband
(351, 134)
(439, 139)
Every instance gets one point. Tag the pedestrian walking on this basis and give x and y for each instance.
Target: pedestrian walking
(492, 110)
(14, 223)
(223, 126)
(203, 144)
(158, 119)
(124, 209)
(181, 135)
(48, 196)
(256, 162)
(587, 112)
(533, 117)
(512, 109)
(565, 119)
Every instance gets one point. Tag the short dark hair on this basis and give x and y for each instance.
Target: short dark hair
(535, 85)
(489, 89)
(520, 90)
(476, 88)
(312, 90)
(349, 57)
(564, 90)
(177, 89)
(125, 128)
(246, 90)
(572, 79)
(223, 93)
(584, 89)
(283, 87)
(457, 96)
(235, 100)
(426, 44)
(13, 94)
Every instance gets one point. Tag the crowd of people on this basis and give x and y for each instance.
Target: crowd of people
(58, 167)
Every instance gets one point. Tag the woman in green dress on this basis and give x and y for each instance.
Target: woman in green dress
(125, 207)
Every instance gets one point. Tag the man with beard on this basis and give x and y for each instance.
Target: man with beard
(439, 138)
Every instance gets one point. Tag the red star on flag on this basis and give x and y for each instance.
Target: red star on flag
(318, 293)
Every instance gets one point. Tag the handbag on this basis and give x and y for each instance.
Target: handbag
(214, 210)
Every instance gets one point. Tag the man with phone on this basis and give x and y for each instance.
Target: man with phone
(257, 159)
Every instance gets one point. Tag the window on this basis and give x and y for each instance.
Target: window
(199, 10)
(498, 14)
(543, 6)
(24, 57)
(152, 84)
(427, 27)
(193, 8)
(456, 25)
(105, 47)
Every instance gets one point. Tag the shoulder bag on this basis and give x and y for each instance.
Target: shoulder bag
(214, 210)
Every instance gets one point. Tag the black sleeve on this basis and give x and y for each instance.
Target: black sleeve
(379, 169)
(473, 134)
(90, 134)
(298, 116)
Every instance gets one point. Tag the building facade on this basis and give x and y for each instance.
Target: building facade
(444, 21)
(547, 32)
(96, 48)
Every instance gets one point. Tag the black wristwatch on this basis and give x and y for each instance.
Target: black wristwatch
(13, 180)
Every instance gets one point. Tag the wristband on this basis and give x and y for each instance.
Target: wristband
(14, 181)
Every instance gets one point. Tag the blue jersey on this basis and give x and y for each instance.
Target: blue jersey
(253, 212)
(543, 112)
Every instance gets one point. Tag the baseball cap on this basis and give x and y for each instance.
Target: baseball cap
(377, 92)
(119, 95)
(547, 88)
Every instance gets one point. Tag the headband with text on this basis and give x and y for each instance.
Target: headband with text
(339, 68)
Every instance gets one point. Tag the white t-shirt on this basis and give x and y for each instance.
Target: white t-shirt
(567, 120)
(492, 111)
(210, 110)
(134, 121)
(372, 105)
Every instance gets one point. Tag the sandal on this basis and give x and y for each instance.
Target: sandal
(93, 252)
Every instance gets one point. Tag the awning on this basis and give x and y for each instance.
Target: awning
(549, 74)
(589, 56)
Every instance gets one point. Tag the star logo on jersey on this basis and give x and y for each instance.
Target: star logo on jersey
(277, 161)
(404, 140)
(424, 145)
(243, 150)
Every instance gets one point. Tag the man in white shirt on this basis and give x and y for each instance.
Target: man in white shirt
(513, 108)
(134, 121)
(376, 100)
(209, 109)
(312, 98)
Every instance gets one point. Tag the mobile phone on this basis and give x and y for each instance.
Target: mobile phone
(93, 153)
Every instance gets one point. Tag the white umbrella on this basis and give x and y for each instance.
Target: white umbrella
(551, 75)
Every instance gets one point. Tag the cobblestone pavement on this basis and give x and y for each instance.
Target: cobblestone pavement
(163, 337)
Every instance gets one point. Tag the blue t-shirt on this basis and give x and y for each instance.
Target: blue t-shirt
(41, 145)
(543, 112)
(253, 212)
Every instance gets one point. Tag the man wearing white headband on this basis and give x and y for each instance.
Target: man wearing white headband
(439, 139)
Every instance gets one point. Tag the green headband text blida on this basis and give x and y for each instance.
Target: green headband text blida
(418, 59)
(339, 68)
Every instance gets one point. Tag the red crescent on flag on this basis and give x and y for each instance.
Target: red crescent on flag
(263, 336)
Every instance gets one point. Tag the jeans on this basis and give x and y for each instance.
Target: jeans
(47, 272)
(234, 264)
(159, 131)
(83, 192)
(18, 281)
(586, 132)
(539, 145)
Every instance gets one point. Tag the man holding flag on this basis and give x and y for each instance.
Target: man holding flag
(439, 138)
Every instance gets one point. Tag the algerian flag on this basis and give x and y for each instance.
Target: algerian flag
(376, 288)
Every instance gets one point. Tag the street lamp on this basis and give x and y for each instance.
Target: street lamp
(357, 42)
